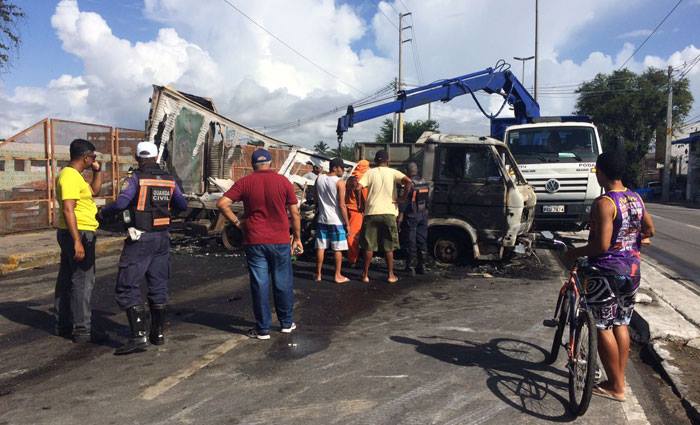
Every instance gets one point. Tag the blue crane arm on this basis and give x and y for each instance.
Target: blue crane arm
(488, 80)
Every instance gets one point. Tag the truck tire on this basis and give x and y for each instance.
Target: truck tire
(449, 246)
(231, 237)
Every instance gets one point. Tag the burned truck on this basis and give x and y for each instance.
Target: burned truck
(207, 152)
(481, 207)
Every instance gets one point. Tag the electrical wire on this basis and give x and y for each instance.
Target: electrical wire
(404, 5)
(387, 18)
(689, 67)
(284, 43)
(650, 35)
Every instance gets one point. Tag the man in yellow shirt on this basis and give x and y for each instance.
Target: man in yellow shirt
(76, 237)
(379, 228)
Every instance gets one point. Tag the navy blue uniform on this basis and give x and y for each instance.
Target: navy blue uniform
(414, 227)
(149, 195)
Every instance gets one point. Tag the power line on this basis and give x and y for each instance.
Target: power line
(650, 35)
(387, 18)
(291, 48)
(404, 5)
(689, 67)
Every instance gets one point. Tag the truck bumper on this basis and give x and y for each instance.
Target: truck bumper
(575, 213)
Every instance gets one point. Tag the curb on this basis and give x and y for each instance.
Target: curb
(48, 256)
(675, 376)
(640, 334)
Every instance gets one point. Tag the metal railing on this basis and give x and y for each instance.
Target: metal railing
(31, 160)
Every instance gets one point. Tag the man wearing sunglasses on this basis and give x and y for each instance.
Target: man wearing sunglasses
(76, 237)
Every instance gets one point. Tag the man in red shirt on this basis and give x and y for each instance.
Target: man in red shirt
(266, 198)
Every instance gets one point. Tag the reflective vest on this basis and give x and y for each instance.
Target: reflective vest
(150, 210)
(420, 196)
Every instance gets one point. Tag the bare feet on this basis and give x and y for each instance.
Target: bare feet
(392, 278)
(365, 279)
(341, 279)
(605, 389)
(318, 278)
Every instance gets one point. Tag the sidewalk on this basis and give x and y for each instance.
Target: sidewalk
(24, 251)
(667, 321)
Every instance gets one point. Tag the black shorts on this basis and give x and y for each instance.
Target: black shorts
(611, 308)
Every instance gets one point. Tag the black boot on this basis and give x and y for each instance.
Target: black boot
(420, 268)
(137, 322)
(157, 323)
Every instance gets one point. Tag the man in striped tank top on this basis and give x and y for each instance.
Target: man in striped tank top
(619, 223)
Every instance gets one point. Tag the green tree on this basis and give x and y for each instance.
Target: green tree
(347, 152)
(628, 109)
(10, 15)
(321, 147)
(412, 130)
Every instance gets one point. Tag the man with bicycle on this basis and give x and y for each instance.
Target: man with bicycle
(619, 223)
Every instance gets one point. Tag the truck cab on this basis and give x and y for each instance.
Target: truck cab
(558, 160)
(481, 205)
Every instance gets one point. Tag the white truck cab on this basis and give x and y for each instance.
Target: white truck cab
(558, 160)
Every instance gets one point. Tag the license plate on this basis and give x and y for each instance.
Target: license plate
(553, 209)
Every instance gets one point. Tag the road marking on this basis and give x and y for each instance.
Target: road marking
(164, 385)
(386, 376)
(675, 221)
(632, 409)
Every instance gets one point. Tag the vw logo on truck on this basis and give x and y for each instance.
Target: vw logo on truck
(552, 185)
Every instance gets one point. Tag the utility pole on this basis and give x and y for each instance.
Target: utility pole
(537, 19)
(400, 82)
(523, 60)
(394, 126)
(666, 185)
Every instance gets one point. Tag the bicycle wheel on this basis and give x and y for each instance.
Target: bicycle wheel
(583, 364)
(561, 324)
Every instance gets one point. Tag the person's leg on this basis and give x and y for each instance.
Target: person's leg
(421, 242)
(83, 280)
(339, 278)
(368, 242)
(410, 242)
(320, 253)
(390, 242)
(354, 229)
(622, 336)
(158, 276)
(63, 315)
(133, 264)
(280, 261)
(259, 273)
(610, 358)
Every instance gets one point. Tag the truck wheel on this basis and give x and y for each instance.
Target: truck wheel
(231, 237)
(449, 248)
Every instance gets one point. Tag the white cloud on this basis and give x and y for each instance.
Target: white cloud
(635, 34)
(209, 49)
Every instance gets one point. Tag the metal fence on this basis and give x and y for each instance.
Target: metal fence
(31, 160)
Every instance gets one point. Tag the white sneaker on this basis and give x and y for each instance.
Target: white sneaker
(289, 329)
(253, 333)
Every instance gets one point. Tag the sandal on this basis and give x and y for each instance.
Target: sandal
(602, 392)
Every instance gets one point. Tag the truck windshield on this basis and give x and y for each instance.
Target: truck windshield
(553, 144)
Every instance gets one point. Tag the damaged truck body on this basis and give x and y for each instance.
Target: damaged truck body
(207, 152)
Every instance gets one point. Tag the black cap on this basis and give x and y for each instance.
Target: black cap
(381, 156)
(336, 162)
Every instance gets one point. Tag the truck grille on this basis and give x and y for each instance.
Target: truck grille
(566, 184)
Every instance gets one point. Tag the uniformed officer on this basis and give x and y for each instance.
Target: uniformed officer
(413, 219)
(145, 201)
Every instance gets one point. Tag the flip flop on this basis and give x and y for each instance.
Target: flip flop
(318, 280)
(340, 282)
(602, 392)
(392, 281)
(364, 280)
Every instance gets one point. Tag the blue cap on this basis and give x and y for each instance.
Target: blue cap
(261, 155)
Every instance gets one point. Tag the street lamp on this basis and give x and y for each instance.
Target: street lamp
(523, 60)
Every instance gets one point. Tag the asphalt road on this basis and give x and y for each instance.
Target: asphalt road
(451, 348)
(677, 241)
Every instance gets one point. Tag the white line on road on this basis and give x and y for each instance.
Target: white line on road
(675, 221)
(633, 410)
(164, 385)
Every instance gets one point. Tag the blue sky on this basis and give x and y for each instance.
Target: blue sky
(578, 39)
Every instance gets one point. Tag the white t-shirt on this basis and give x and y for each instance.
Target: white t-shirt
(381, 190)
(327, 198)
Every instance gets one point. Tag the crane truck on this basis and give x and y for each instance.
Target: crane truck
(482, 206)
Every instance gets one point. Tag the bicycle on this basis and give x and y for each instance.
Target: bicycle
(582, 346)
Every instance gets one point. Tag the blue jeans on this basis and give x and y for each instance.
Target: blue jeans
(265, 263)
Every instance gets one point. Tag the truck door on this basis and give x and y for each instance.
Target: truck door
(468, 184)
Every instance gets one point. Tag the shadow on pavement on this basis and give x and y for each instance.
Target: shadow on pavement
(24, 314)
(513, 375)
